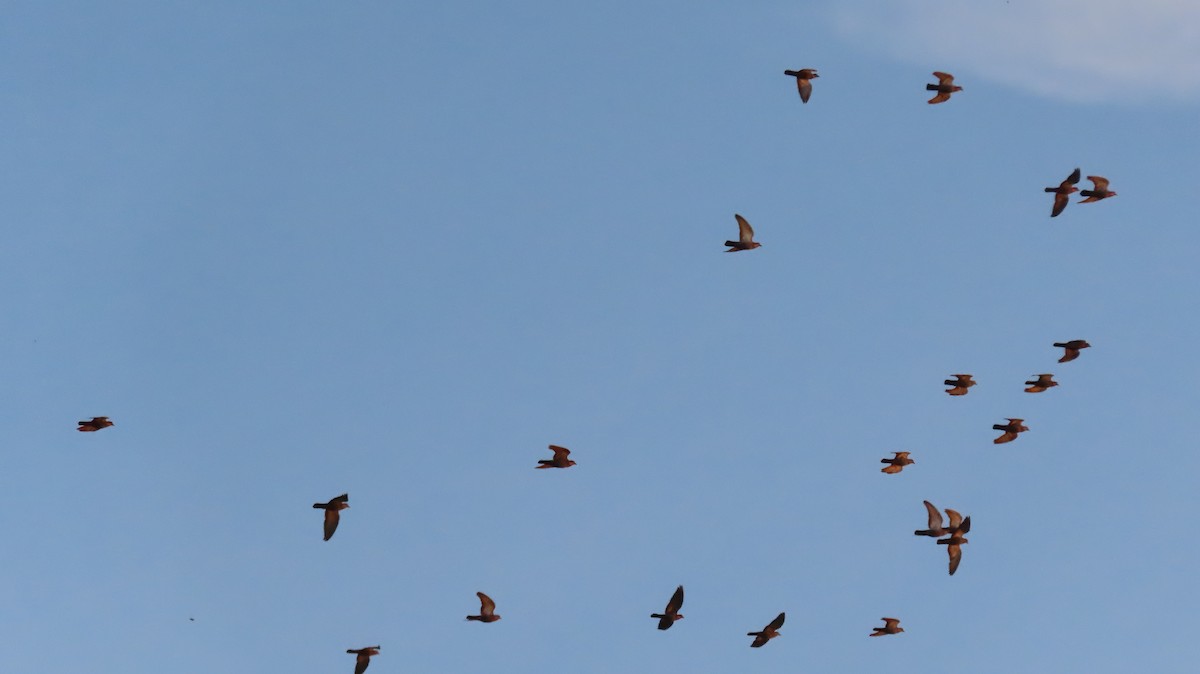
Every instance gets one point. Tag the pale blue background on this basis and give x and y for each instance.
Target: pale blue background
(396, 248)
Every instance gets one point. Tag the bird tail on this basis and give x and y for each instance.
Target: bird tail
(1087, 193)
(1052, 189)
(922, 532)
(793, 73)
(931, 87)
(657, 615)
(731, 243)
(319, 505)
(753, 634)
(474, 617)
(998, 427)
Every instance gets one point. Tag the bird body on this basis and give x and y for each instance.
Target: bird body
(954, 545)
(1099, 190)
(1043, 382)
(745, 236)
(1072, 348)
(769, 632)
(560, 459)
(1064, 189)
(890, 626)
(896, 463)
(332, 510)
(487, 610)
(944, 87)
(1011, 429)
(94, 424)
(364, 657)
(804, 78)
(671, 613)
(960, 384)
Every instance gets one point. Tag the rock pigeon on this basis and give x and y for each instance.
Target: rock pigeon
(1064, 189)
(671, 613)
(944, 87)
(332, 516)
(804, 78)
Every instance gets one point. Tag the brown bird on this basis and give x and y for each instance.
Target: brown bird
(1011, 429)
(1061, 192)
(94, 425)
(935, 530)
(1043, 382)
(560, 459)
(1099, 190)
(890, 626)
(961, 383)
(331, 513)
(1072, 349)
(955, 542)
(897, 463)
(671, 613)
(487, 609)
(804, 78)
(364, 657)
(769, 632)
(944, 87)
(745, 236)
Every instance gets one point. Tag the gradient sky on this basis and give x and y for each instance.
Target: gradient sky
(394, 249)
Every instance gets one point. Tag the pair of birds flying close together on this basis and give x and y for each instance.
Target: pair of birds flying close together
(962, 382)
(1067, 187)
(944, 87)
(959, 525)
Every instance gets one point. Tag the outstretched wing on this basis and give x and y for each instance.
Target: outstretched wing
(487, 607)
(944, 78)
(676, 602)
(805, 87)
(935, 517)
(745, 231)
(1101, 184)
(331, 522)
(776, 623)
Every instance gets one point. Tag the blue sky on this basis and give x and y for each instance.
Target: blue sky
(395, 249)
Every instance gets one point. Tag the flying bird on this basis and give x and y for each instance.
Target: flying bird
(671, 613)
(944, 87)
(1064, 189)
(1072, 349)
(890, 626)
(1043, 382)
(935, 530)
(94, 425)
(954, 544)
(560, 459)
(487, 609)
(331, 513)
(804, 78)
(364, 657)
(769, 632)
(1099, 190)
(1011, 429)
(961, 383)
(896, 463)
(745, 236)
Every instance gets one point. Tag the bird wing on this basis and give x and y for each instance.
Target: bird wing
(940, 98)
(676, 602)
(892, 469)
(560, 452)
(944, 78)
(805, 87)
(1008, 436)
(1060, 204)
(776, 623)
(340, 499)
(965, 527)
(955, 557)
(331, 522)
(745, 231)
(935, 517)
(486, 605)
(955, 519)
(890, 623)
(361, 663)
(1073, 178)
(1101, 184)
(901, 455)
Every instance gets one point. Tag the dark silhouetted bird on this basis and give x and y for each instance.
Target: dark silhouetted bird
(896, 463)
(1072, 349)
(1099, 190)
(935, 529)
(961, 383)
(331, 513)
(804, 78)
(487, 609)
(769, 632)
(560, 459)
(364, 657)
(1064, 189)
(954, 544)
(671, 613)
(1043, 382)
(95, 424)
(745, 237)
(1011, 429)
(944, 87)
(890, 626)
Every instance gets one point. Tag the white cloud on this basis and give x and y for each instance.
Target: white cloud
(1083, 50)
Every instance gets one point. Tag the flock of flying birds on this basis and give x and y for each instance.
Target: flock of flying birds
(951, 536)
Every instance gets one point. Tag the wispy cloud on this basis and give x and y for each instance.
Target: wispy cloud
(1082, 50)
